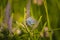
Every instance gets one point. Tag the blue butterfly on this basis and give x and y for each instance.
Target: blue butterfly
(30, 21)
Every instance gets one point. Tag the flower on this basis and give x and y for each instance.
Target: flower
(39, 2)
(41, 34)
(46, 29)
(18, 31)
(35, 1)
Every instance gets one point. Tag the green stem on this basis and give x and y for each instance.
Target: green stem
(56, 29)
(45, 4)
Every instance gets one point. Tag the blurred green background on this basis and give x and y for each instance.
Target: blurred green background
(17, 14)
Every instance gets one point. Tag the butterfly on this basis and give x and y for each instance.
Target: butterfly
(30, 21)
